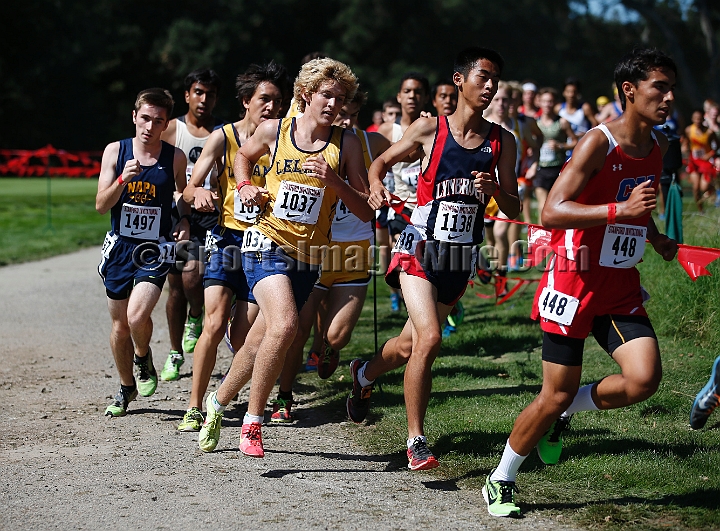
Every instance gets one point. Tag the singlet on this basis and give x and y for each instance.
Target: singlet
(699, 142)
(346, 226)
(235, 214)
(143, 211)
(300, 210)
(406, 174)
(550, 158)
(192, 146)
(449, 209)
(612, 184)
(577, 120)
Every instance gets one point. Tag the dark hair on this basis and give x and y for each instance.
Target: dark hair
(392, 102)
(204, 76)
(312, 55)
(158, 97)
(548, 90)
(417, 76)
(637, 65)
(247, 83)
(466, 60)
(360, 98)
(441, 83)
(575, 82)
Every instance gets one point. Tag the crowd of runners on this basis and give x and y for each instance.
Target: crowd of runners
(268, 230)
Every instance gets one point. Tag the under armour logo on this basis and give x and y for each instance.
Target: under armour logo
(617, 167)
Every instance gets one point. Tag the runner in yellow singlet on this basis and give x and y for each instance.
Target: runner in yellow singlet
(313, 165)
(260, 91)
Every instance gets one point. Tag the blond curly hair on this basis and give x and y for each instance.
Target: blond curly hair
(314, 73)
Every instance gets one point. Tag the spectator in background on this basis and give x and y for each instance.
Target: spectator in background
(577, 112)
(377, 121)
(528, 107)
(391, 111)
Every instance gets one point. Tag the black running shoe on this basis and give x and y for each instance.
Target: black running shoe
(358, 403)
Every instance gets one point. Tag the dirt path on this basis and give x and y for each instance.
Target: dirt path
(65, 466)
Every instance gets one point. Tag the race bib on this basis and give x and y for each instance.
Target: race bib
(108, 244)
(455, 222)
(342, 212)
(408, 240)
(211, 241)
(298, 202)
(242, 212)
(167, 252)
(410, 176)
(255, 241)
(547, 154)
(557, 307)
(140, 222)
(698, 153)
(623, 246)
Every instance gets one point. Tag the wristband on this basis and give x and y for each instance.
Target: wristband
(120, 181)
(612, 209)
(241, 184)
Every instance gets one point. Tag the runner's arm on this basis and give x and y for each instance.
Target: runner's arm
(508, 200)
(354, 192)
(194, 191)
(663, 245)
(181, 231)
(562, 211)
(109, 187)
(261, 142)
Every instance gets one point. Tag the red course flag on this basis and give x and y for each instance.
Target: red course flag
(694, 259)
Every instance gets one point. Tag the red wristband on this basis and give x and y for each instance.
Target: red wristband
(120, 181)
(242, 183)
(496, 193)
(612, 209)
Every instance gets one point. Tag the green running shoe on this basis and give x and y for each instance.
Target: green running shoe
(171, 370)
(210, 432)
(549, 447)
(147, 378)
(500, 497)
(456, 318)
(192, 420)
(193, 329)
(120, 403)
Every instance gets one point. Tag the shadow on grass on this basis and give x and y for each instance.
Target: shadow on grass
(700, 499)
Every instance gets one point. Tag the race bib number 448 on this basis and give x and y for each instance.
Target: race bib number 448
(623, 246)
(558, 307)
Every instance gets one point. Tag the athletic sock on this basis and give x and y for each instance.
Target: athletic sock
(217, 406)
(128, 389)
(249, 419)
(364, 382)
(583, 401)
(509, 464)
(411, 440)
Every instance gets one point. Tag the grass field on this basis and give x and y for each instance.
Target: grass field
(640, 466)
(26, 230)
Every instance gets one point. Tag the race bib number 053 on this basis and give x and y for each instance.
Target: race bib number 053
(140, 222)
(255, 241)
(298, 202)
(557, 307)
(623, 246)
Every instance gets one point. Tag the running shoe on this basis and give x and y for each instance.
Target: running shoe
(327, 362)
(420, 457)
(484, 276)
(193, 329)
(281, 410)
(192, 420)
(395, 302)
(251, 440)
(209, 435)
(147, 379)
(500, 497)
(311, 363)
(455, 319)
(549, 447)
(448, 329)
(358, 403)
(707, 399)
(120, 403)
(171, 370)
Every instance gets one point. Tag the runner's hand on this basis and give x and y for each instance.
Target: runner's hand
(642, 200)
(253, 195)
(182, 230)
(379, 196)
(665, 247)
(484, 183)
(317, 167)
(132, 169)
(205, 200)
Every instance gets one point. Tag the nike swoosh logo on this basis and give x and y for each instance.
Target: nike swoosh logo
(455, 237)
(133, 233)
(161, 167)
(615, 262)
(293, 215)
(342, 218)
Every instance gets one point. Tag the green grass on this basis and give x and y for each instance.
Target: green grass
(26, 231)
(639, 466)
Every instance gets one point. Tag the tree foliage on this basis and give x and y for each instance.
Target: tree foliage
(71, 69)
